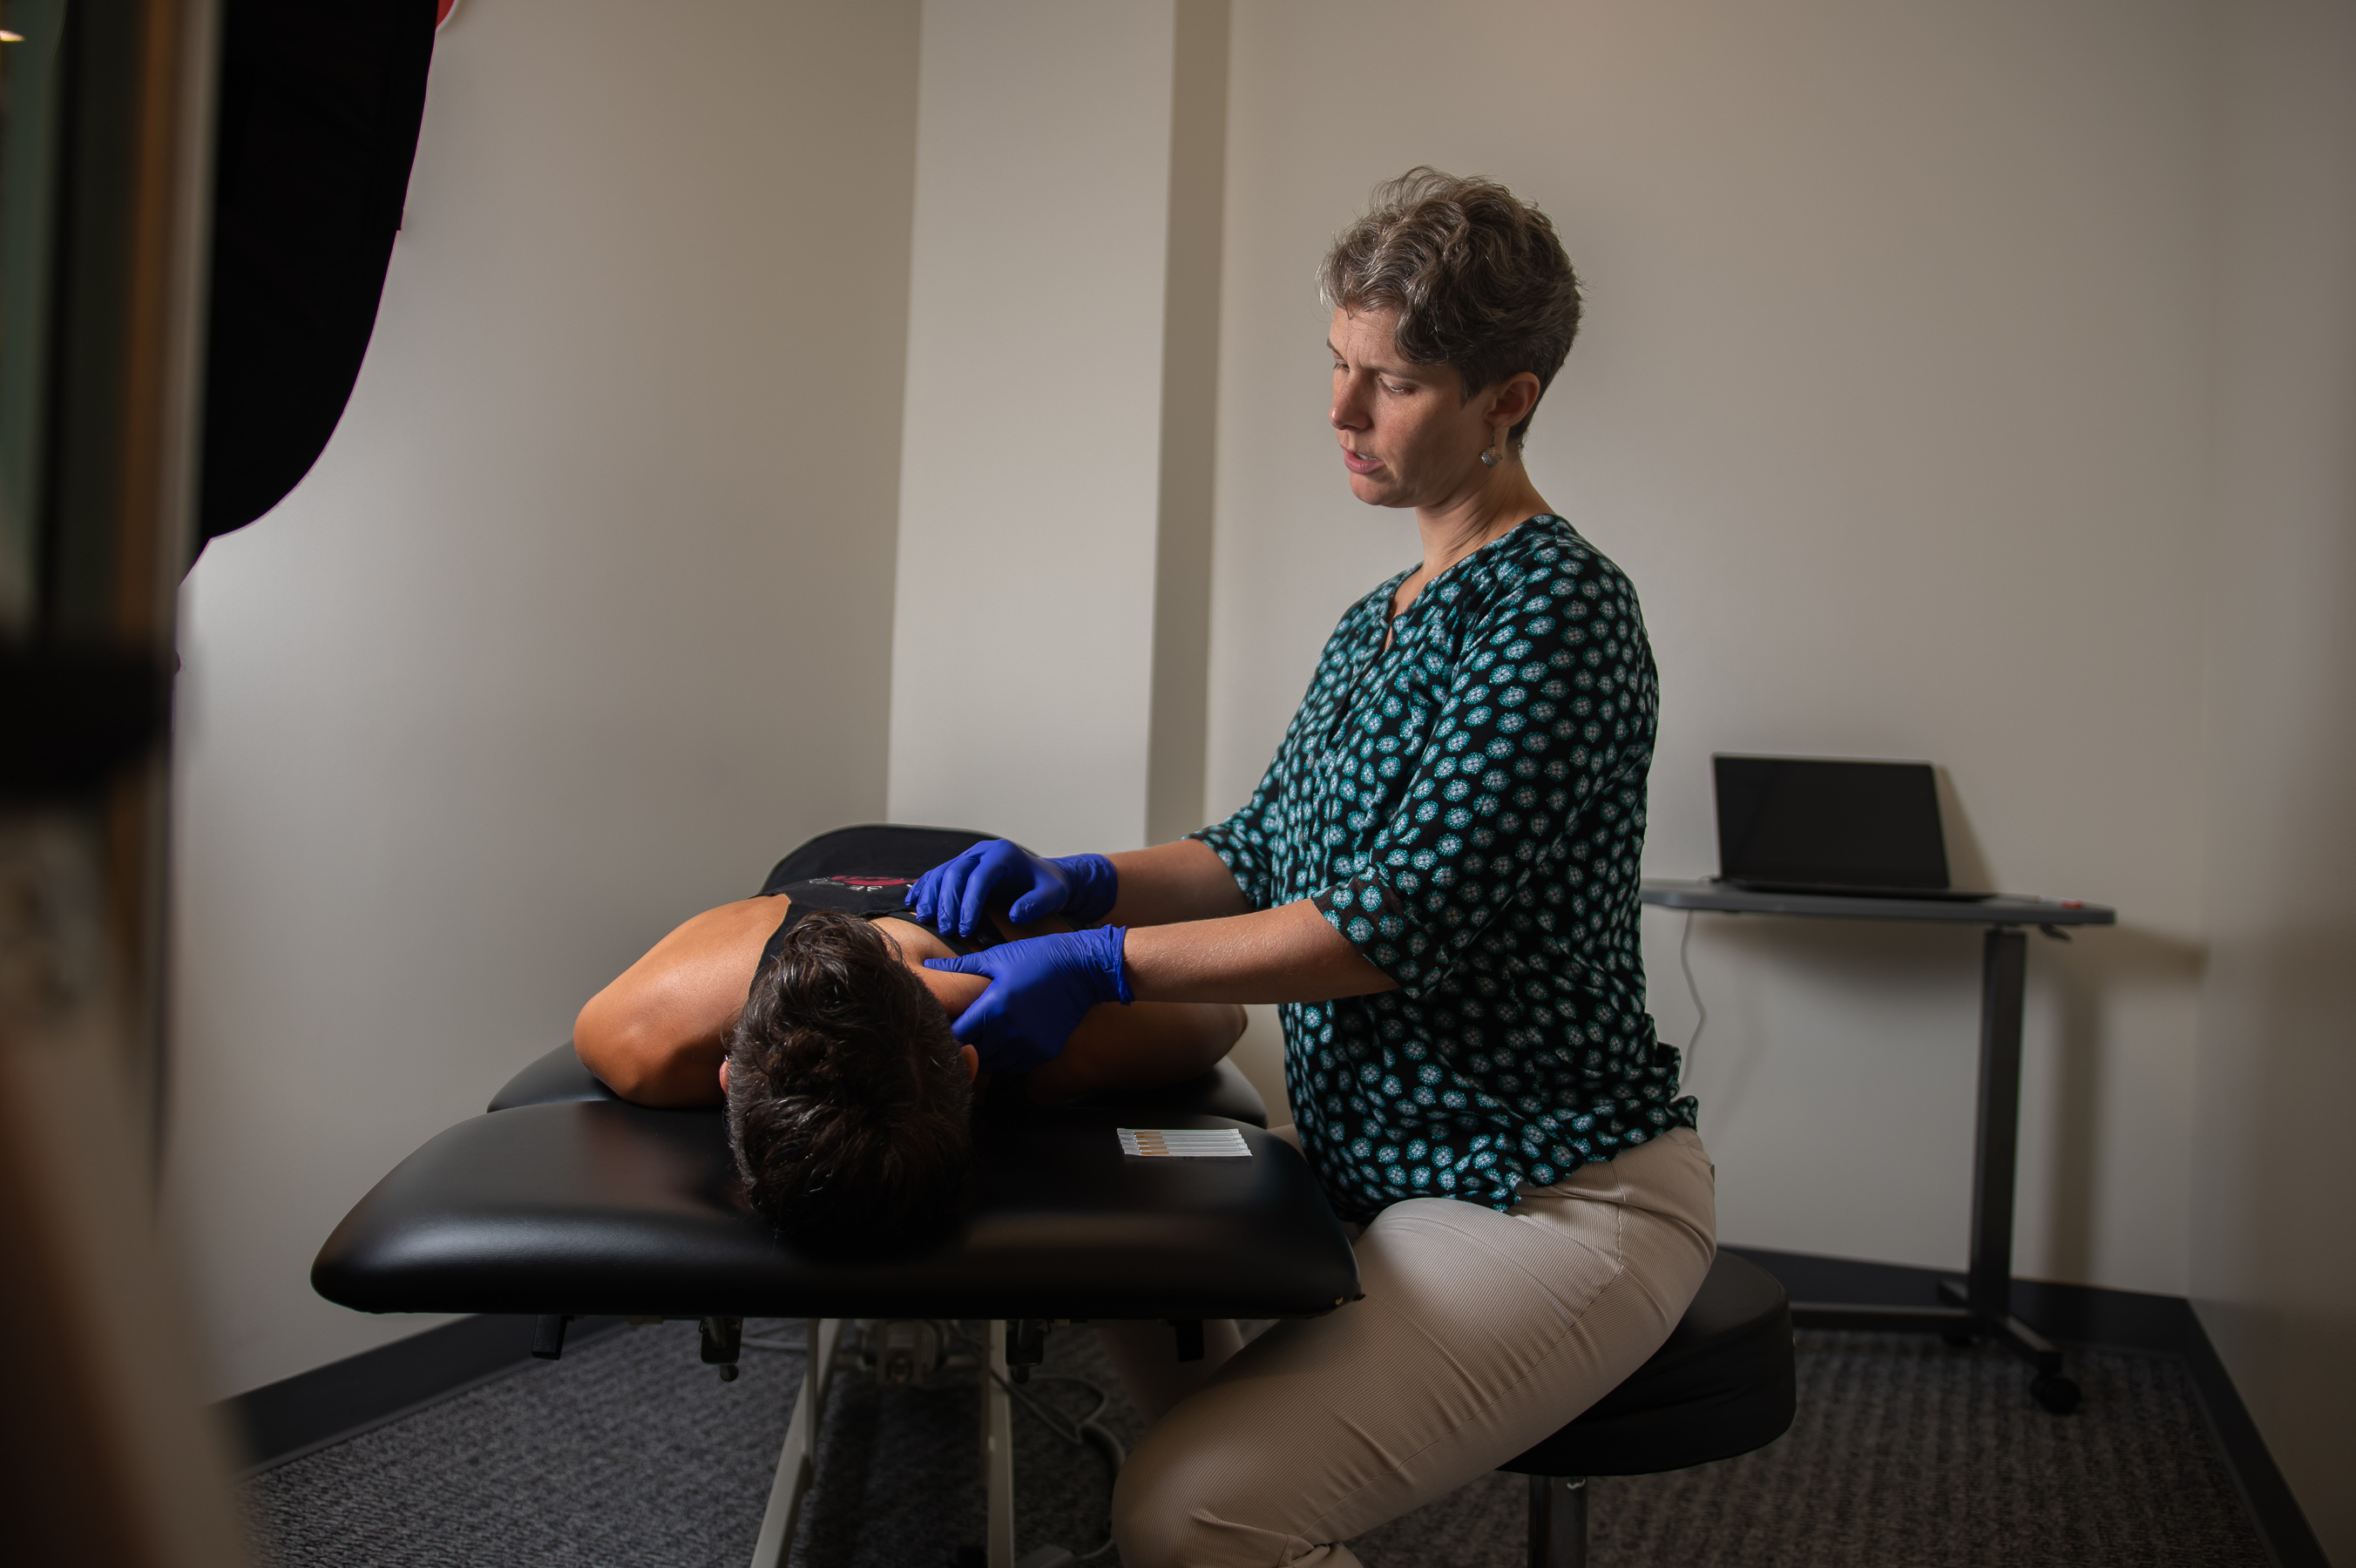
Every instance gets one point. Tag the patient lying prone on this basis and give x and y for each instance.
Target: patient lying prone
(847, 1098)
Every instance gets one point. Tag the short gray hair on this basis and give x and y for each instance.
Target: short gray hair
(1477, 275)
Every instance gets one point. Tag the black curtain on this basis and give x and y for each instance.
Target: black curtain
(320, 101)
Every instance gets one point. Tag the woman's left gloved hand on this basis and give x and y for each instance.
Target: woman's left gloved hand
(1040, 989)
(951, 895)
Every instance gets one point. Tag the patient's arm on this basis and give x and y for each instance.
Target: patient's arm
(658, 1033)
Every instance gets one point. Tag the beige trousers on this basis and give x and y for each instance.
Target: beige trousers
(1479, 1334)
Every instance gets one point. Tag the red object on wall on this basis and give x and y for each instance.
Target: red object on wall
(442, 9)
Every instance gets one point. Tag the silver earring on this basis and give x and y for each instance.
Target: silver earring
(1490, 456)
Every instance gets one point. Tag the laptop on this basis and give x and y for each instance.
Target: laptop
(1812, 825)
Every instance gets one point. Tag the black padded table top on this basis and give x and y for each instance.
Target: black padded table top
(566, 1200)
(612, 1209)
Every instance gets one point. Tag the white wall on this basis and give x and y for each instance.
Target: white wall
(1057, 480)
(582, 619)
(1029, 482)
(1892, 402)
(2273, 1272)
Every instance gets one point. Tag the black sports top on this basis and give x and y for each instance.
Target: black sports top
(870, 898)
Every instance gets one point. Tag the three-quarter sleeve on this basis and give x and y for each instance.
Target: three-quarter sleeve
(1546, 714)
(1240, 842)
(1274, 853)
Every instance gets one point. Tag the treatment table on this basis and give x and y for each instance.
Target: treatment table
(564, 1201)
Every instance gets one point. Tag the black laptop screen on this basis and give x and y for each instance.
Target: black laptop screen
(1835, 823)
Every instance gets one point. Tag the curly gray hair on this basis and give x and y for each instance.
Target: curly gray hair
(1477, 275)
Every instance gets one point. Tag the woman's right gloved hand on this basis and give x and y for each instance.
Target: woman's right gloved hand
(952, 896)
(1040, 989)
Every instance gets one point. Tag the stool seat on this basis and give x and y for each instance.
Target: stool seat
(1721, 1385)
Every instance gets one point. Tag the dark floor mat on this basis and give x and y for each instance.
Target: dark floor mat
(1906, 1455)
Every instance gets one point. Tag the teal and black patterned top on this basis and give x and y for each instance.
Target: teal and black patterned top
(1466, 805)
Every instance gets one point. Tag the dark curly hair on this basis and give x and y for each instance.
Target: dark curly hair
(848, 1099)
(1477, 275)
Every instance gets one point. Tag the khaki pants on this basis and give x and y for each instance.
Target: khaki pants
(1480, 1333)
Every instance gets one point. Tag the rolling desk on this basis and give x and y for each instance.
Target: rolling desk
(1983, 1305)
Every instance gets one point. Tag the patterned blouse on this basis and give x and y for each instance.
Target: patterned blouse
(1466, 807)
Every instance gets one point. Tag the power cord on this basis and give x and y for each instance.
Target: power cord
(1693, 1042)
(1075, 1433)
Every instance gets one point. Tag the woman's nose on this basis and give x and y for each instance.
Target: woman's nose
(1346, 414)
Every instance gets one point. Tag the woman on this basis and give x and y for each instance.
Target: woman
(1437, 877)
(806, 1008)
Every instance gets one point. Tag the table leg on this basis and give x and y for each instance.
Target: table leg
(998, 1451)
(796, 1460)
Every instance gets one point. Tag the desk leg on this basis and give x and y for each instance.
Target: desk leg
(998, 1451)
(1983, 1304)
(797, 1461)
(1996, 1148)
(1987, 1294)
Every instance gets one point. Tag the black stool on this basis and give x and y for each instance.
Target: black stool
(1722, 1385)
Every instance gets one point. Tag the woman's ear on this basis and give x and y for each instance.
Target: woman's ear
(723, 1075)
(1512, 400)
(972, 1065)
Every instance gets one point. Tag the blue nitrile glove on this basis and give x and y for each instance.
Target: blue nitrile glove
(1080, 887)
(1040, 989)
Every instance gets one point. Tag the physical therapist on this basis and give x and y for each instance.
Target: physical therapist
(1438, 879)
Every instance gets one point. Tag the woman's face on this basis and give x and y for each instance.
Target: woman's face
(1409, 437)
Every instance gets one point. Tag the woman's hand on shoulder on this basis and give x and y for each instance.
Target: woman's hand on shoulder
(955, 894)
(957, 992)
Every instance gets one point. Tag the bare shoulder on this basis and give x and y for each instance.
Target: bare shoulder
(761, 914)
(915, 942)
(656, 1033)
(954, 992)
(721, 946)
(715, 951)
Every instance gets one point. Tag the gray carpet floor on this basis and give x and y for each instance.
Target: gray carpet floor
(1906, 1453)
